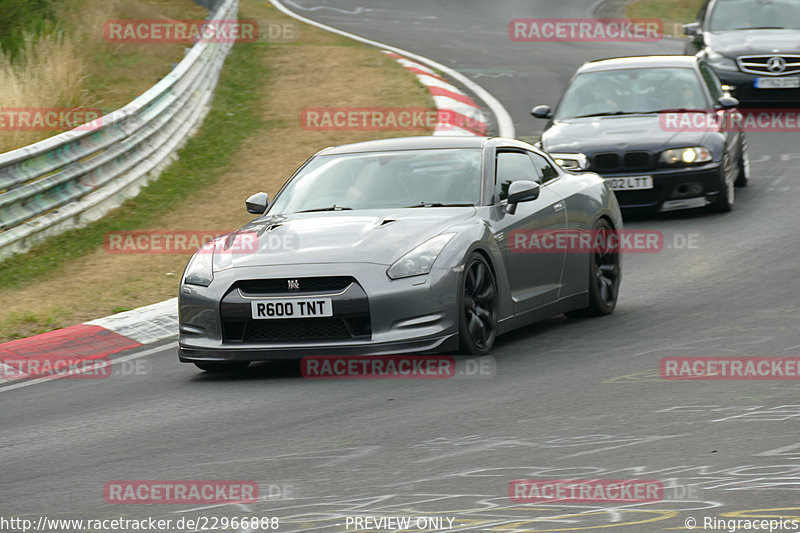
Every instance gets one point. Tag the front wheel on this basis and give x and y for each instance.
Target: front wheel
(605, 273)
(477, 310)
(744, 165)
(727, 193)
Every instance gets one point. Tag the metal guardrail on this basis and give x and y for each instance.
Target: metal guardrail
(76, 177)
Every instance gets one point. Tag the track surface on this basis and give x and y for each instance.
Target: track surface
(570, 398)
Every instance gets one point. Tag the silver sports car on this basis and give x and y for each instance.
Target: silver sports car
(411, 245)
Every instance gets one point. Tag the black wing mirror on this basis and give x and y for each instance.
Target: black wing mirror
(257, 204)
(692, 30)
(521, 191)
(542, 111)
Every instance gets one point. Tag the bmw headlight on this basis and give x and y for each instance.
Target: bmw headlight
(419, 260)
(200, 270)
(571, 161)
(686, 156)
(717, 60)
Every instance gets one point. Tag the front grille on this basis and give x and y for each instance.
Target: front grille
(296, 329)
(321, 285)
(761, 64)
(616, 162)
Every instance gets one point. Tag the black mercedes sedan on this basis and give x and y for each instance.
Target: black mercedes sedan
(660, 129)
(752, 45)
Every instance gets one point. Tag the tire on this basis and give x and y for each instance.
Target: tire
(223, 367)
(477, 307)
(744, 165)
(727, 192)
(605, 274)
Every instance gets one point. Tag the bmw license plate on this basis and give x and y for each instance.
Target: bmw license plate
(778, 83)
(632, 183)
(291, 308)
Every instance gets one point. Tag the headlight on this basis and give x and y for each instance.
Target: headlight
(419, 260)
(719, 61)
(200, 270)
(571, 161)
(686, 156)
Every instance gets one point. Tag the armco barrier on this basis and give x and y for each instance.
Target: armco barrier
(74, 178)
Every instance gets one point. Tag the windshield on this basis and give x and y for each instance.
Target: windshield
(746, 14)
(409, 178)
(629, 91)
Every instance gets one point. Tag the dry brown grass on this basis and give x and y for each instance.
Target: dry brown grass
(319, 70)
(75, 67)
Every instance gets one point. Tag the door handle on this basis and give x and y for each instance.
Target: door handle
(558, 206)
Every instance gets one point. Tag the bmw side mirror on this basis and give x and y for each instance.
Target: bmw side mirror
(727, 101)
(521, 191)
(692, 30)
(257, 204)
(542, 111)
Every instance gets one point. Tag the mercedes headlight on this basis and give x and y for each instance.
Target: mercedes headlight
(419, 260)
(717, 60)
(200, 270)
(686, 156)
(571, 161)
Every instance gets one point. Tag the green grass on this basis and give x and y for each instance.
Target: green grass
(20, 17)
(672, 12)
(232, 119)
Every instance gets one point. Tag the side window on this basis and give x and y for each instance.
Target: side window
(544, 169)
(512, 166)
(712, 81)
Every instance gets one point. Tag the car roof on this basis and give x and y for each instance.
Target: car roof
(638, 62)
(408, 143)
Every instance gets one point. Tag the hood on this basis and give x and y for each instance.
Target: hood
(617, 133)
(370, 236)
(737, 43)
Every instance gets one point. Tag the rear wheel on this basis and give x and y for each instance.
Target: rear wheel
(235, 366)
(477, 307)
(604, 273)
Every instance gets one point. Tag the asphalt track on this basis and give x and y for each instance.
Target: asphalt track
(566, 399)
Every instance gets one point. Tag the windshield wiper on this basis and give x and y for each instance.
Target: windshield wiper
(609, 114)
(763, 28)
(437, 204)
(331, 208)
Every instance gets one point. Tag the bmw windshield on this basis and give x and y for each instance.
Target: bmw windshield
(632, 91)
(380, 180)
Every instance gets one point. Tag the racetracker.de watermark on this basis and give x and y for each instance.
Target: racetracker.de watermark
(586, 30)
(397, 367)
(749, 120)
(50, 118)
(199, 31)
(730, 368)
(64, 366)
(190, 241)
(596, 241)
(180, 492)
(586, 490)
(387, 119)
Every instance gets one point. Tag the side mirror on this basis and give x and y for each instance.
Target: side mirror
(257, 204)
(521, 191)
(727, 101)
(692, 30)
(542, 111)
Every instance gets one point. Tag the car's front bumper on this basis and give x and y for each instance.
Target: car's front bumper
(673, 188)
(744, 89)
(374, 315)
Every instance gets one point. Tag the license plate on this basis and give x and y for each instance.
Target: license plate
(633, 183)
(777, 83)
(292, 308)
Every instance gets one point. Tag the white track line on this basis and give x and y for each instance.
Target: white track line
(505, 126)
